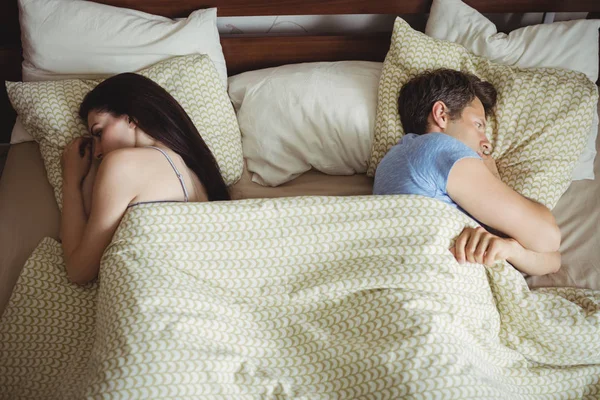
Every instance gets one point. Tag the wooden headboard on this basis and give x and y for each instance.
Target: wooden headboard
(247, 52)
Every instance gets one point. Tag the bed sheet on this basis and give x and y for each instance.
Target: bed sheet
(28, 213)
(578, 215)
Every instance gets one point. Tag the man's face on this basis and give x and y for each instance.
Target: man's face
(470, 128)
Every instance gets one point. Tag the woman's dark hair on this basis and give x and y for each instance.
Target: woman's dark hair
(455, 88)
(158, 114)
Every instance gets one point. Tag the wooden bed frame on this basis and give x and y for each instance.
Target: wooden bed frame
(248, 52)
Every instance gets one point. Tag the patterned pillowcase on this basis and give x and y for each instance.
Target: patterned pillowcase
(49, 111)
(543, 115)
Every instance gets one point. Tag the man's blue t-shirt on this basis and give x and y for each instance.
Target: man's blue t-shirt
(421, 164)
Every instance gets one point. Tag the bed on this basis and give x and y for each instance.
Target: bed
(298, 364)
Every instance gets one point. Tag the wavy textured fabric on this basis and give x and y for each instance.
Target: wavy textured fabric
(309, 297)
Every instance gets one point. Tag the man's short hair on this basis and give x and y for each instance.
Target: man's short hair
(455, 88)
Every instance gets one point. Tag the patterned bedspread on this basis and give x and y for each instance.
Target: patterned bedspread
(307, 297)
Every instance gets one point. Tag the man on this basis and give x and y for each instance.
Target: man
(445, 155)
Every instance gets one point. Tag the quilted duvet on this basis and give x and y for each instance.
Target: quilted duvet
(295, 298)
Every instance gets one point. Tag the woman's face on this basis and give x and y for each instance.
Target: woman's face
(470, 128)
(110, 132)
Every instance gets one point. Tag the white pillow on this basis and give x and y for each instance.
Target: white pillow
(19, 133)
(302, 116)
(74, 39)
(569, 45)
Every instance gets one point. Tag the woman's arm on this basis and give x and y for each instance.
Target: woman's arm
(71, 190)
(473, 187)
(115, 186)
(76, 160)
(87, 187)
(73, 218)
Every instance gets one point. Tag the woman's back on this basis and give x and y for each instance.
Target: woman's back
(160, 171)
(158, 176)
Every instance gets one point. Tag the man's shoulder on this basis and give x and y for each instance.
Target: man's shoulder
(435, 138)
(435, 144)
(414, 141)
(421, 148)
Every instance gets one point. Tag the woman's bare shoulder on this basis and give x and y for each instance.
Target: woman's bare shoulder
(122, 167)
(129, 161)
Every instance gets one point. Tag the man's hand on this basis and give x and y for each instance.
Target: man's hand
(476, 245)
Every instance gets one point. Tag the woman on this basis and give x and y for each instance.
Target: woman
(445, 155)
(149, 151)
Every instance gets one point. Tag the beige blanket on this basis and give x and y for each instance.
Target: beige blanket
(309, 297)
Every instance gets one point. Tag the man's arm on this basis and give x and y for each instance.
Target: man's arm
(533, 263)
(474, 188)
(477, 245)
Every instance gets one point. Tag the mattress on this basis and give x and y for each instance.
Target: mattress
(28, 213)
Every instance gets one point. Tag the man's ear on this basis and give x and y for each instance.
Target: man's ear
(439, 117)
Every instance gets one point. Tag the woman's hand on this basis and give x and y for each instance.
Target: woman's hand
(76, 160)
(476, 245)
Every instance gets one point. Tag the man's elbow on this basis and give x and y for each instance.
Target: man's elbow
(554, 264)
(557, 264)
(553, 237)
(547, 238)
(547, 233)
